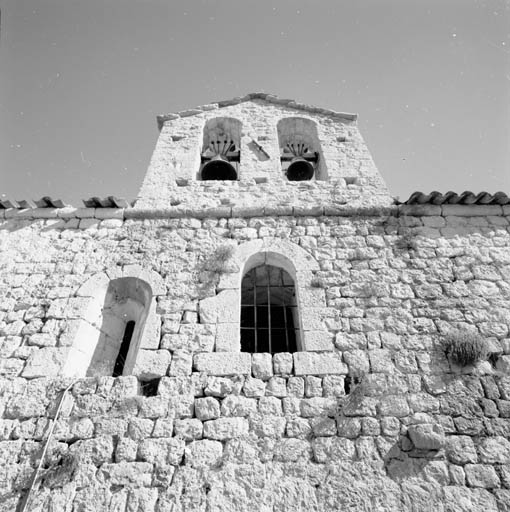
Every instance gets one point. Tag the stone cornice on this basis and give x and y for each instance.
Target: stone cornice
(414, 210)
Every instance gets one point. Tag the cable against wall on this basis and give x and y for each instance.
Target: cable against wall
(41, 460)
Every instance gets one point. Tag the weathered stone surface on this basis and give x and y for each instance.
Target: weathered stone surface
(225, 363)
(333, 449)
(161, 451)
(188, 429)
(481, 475)
(127, 473)
(262, 366)
(427, 437)
(494, 450)
(238, 406)
(207, 408)
(461, 450)
(205, 453)
(151, 364)
(309, 363)
(46, 362)
(225, 428)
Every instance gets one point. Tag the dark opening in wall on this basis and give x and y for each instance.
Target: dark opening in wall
(299, 159)
(269, 316)
(118, 369)
(218, 169)
(149, 387)
(350, 382)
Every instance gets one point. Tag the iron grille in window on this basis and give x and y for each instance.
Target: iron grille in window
(269, 315)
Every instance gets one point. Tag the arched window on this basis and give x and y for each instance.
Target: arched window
(122, 320)
(221, 153)
(111, 329)
(269, 312)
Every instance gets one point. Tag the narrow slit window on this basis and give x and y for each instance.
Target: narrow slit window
(118, 369)
(269, 315)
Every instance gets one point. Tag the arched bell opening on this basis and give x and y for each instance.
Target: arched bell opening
(299, 149)
(218, 169)
(220, 154)
(300, 170)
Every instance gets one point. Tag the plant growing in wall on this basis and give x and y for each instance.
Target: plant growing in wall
(407, 241)
(219, 260)
(465, 347)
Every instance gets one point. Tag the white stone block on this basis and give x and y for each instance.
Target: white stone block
(223, 363)
(45, 362)
(262, 366)
(223, 308)
(151, 364)
(228, 337)
(317, 340)
(309, 363)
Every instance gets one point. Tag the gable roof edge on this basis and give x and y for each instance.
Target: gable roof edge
(270, 98)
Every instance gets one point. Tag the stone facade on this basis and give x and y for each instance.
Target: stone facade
(368, 414)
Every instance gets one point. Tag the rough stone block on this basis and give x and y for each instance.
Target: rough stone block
(254, 388)
(318, 340)
(276, 386)
(224, 363)
(349, 427)
(494, 450)
(188, 429)
(205, 453)
(223, 308)
(461, 450)
(306, 363)
(283, 363)
(161, 451)
(153, 407)
(126, 473)
(323, 427)
(223, 429)
(227, 337)
(481, 475)
(181, 364)
(238, 406)
(207, 408)
(262, 366)
(393, 405)
(333, 449)
(163, 427)
(268, 426)
(46, 362)
(298, 427)
(427, 437)
(318, 406)
(293, 450)
(151, 364)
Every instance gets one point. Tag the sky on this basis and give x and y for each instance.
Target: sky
(81, 83)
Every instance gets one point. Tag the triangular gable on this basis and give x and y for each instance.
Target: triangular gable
(269, 98)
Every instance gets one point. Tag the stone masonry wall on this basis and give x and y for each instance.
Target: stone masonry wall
(384, 421)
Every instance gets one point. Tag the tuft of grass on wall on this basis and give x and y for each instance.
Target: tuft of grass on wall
(465, 348)
(218, 260)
